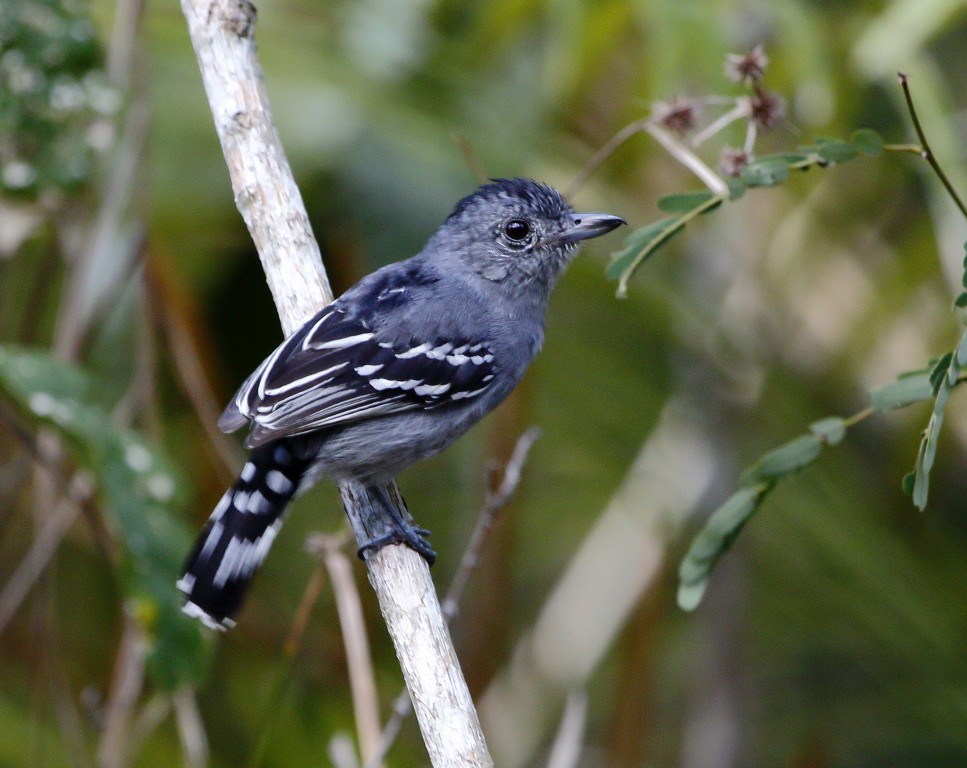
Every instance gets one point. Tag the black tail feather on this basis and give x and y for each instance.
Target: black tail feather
(240, 531)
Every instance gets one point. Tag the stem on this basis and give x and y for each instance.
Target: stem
(495, 501)
(720, 124)
(856, 418)
(915, 149)
(926, 152)
(690, 160)
(604, 153)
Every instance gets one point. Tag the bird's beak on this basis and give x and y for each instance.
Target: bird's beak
(587, 225)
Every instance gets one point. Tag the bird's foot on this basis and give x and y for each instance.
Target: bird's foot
(410, 535)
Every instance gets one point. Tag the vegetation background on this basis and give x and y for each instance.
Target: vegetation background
(833, 635)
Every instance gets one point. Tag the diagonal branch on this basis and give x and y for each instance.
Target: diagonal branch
(222, 33)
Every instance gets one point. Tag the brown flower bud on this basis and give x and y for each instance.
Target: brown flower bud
(678, 114)
(746, 67)
(733, 161)
(766, 108)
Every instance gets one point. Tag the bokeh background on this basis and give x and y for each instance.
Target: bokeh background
(833, 635)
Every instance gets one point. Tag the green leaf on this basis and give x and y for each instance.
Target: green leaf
(868, 141)
(789, 158)
(960, 354)
(837, 151)
(714, 540)
(939, 371)
(961, 301)
(905, 391)
(783, 460)
(642, 243)
(684, 202)
(830, 430)
(921, 479)
(139, 490)
(690, 594)
(909, 479)
(736, 186)
(928, 447)
(765, 173)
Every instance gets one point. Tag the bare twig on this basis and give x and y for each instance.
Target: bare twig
(109, 255)
(622, 557)
(293, 642)
(342, 752)
(191, 376)
(738, 112)
(497, 498)
(45, 544)
(128, 680)
(604, 153)
(669, 143)
(362, 680)
(689, 159)
(194, 742)
(149, 718)
(222, 33)
(470, 158)
(566, 749)
(927, 152)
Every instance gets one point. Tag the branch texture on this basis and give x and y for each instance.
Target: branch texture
(222, 33)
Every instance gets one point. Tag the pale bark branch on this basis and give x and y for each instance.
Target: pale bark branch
(495, 501)
(269, 201)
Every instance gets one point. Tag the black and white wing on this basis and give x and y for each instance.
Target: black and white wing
(336, 369)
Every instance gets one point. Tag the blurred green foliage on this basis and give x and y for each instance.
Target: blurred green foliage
(52, 91)
(831, 634)
(143, 496)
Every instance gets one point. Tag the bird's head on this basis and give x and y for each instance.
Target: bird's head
(518, 232)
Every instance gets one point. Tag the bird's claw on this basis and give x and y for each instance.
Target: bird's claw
(411, 536)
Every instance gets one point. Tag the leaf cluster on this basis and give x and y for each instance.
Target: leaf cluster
(758, 480)
(766, 171)
(936, 381)
(52, 88)
(139, 490)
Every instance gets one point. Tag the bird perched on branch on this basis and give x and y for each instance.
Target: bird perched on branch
(390, 373)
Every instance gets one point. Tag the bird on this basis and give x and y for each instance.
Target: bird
(389, 374)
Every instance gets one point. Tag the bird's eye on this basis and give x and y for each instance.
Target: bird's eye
(517, 229)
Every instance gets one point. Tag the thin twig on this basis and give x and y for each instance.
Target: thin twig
(45, 544)
(689, 159)
(566, 749)
(927, 153)
(190, 373)
(152, 714)
(341, 751)
(722, 122)
(751, 134)
(359, 661)
(603, 154)
(293, 642)
(50, 463)
(495, 501)
(470, 158)
(191, 731)
(129, 670)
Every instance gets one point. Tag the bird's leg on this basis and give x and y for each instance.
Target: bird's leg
(401, 530)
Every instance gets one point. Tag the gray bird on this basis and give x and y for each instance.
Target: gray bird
(390, 373)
